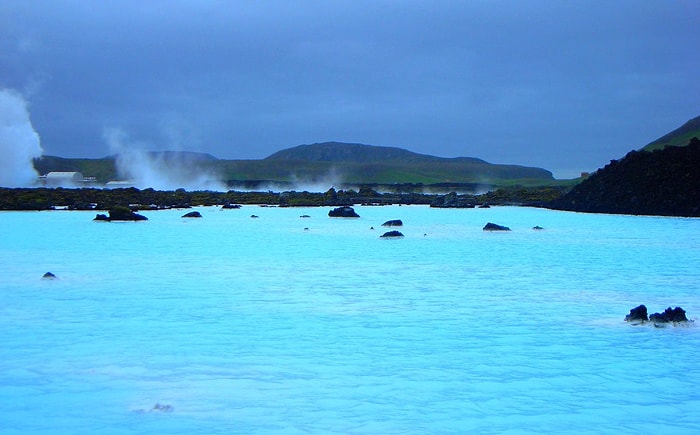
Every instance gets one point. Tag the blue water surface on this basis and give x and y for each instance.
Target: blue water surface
(284, 324)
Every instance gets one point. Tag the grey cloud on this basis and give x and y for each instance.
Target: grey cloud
(578, 82)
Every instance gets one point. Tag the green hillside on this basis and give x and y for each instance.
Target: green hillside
(678, 137)
(358, 163)
(339, 162)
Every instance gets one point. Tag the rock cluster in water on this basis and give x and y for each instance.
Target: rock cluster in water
(638, 315)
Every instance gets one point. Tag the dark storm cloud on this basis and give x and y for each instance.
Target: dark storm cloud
(562, 85)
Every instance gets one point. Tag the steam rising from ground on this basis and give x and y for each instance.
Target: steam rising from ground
(318, 184)
(19, 143)
(159, 170)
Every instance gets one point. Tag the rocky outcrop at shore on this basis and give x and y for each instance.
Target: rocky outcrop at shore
(452, 200)
(665, 182)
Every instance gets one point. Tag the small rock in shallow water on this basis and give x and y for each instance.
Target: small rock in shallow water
(344, 212)
(637, 315)
(48, 275)
(393, 223)
(495, 227)
(192, 214)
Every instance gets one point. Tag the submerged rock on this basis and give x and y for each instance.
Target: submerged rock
(48, 275)
(158, 407)
(537, 228)
(393, 223)
(392, 234)
(345, 212)
(192, 214)
(162, 408)
(495, 227)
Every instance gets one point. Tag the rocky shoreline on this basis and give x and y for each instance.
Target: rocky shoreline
(150, 199)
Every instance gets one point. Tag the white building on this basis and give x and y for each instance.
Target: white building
(65, 179)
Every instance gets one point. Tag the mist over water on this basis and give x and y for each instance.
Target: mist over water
(19, 142)
(159, 170)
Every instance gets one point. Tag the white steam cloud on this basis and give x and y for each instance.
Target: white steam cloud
(318, 184)
(159, 170)
(19, 143)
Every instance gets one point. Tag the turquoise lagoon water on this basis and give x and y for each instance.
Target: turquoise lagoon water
(229, 324)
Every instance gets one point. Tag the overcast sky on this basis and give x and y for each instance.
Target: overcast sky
(564, 85)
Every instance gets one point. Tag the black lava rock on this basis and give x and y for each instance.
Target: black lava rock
(392, 234)
(495, 227)
(345, 212)
(393, 223)
(121, 214)
(669, 315)
(452, 200)
(637, 315)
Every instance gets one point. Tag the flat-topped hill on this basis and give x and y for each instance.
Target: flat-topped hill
(358, 153)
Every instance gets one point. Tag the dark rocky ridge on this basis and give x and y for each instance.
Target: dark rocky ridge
(665, 182)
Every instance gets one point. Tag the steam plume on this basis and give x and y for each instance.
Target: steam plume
(159, 170)
(19, 143)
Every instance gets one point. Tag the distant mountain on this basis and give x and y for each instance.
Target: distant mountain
(358, 153)
(334, 162)
(664, 182)
(678, 137)
(358, 163)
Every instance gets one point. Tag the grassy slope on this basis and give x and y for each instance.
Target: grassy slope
(678, 137)
(382, 173)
